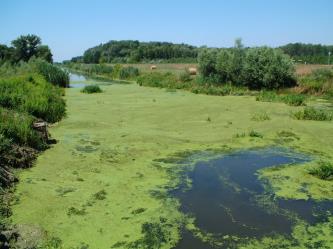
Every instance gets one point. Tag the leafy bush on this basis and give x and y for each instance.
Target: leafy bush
(128, 72)
(53, 74)
(255, 68)
(311, 113)
(324, 170)
(267, 68)
(91, 89)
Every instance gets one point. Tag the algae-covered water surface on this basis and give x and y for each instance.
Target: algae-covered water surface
(117, 179)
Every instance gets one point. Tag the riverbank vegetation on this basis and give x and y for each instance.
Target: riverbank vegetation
(29, 93)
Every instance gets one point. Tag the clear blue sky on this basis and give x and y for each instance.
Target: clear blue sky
(71, 26)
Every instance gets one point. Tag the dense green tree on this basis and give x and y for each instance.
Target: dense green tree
(5, 53)
(25, 47)
(135, 51)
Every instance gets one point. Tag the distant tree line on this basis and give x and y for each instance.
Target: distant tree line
(135, 51)
(23, 49)
(308, 53)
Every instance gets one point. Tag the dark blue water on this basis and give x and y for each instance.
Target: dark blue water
(226, 198)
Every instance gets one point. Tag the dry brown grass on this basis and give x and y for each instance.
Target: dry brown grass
(304, 69)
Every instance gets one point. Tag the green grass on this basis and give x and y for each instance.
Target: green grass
(311, 113)
(30, 93)
(91, 89)
(18, 128)
(260, 116)
(320, 81)
(324, 170)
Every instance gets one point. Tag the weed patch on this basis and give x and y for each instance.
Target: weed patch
(311, 113)
(260, 116)
(91, 89)
(323, 170)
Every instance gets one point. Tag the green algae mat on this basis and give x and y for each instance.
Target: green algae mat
(106, 183)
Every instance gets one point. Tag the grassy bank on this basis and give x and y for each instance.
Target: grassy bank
(27, 95)
(104, 186)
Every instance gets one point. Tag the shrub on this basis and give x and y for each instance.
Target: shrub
(91, 89)
(128, 72)
(268, 68)
(207, 62)
(256, 68)
(311, 113)
(324, 170)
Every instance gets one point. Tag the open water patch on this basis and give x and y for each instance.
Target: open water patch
(227, 199)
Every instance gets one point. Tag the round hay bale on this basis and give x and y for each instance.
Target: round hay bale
(153, 67)
(192, 71)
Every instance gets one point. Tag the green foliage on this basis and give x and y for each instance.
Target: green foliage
(185, 76)
(207, 63)
(166, 80)
(324, 170)
(320, 81)
(311, 113)
(91, 89)
(128, 72)
(294, 99)
(52, 73)
(267, 68)
(30, 93)
(27, 46)
(255, 68)
(171, 81)
(17, 128)
(289, 99)
(135, 51)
